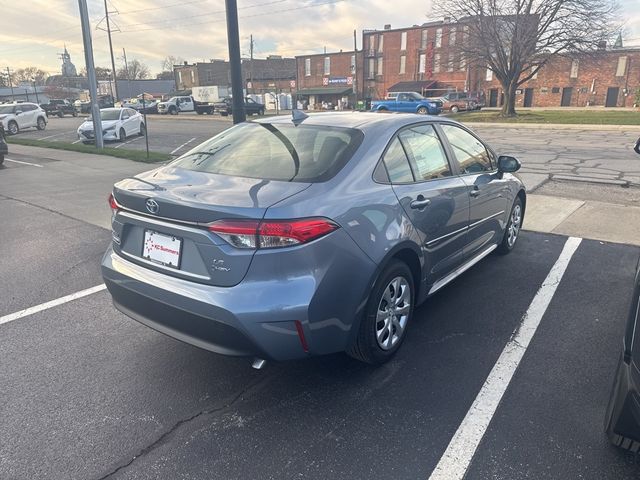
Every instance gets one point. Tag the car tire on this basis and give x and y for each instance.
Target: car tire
(454, 109)
(377, 340)
(512, 231)
(261, 111)
(12, 128)
(422, 111)
(143, 130)
(122, 135)
(41, 123)
(173, 111)
(74, 114)
(60, 114)
(1, 159)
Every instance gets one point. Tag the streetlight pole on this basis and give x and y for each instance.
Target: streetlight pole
(233, 39)
(35, 89)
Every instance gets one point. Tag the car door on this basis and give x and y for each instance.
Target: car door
(186, 104)
(133, 123)
(22, 116)
(436, 201)
(403, 103)
(488, 192)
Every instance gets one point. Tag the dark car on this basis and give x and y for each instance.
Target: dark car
(284, 238)
(59, 108)
(104, 101)
(4, 148)
(251, 107)
(622, 421)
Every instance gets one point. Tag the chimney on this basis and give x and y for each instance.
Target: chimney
(602, 45)
(387, 26)
(186, 63)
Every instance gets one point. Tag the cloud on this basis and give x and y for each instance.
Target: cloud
(196, 29)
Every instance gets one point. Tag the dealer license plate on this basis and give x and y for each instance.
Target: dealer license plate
(162, 249)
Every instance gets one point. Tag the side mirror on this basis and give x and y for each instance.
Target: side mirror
(508, 164)
(637, 147)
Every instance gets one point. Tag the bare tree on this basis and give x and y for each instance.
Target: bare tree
(101, 73)
(515, 38)
(30, 74)
(169, 61)
(134, 70)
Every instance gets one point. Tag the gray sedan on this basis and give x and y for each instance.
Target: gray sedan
(284, 238)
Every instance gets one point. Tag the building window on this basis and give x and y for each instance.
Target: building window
(372, 68)
(574, 68)
(327, 65)
(422, 66)
(209, 76)
(423, 38)
(353, 64)
(535, 72)
(463, 63)
(489, 76)
(307, 67)
(465, 34)
(450, 63)
(622, 66)
(380, 66)
(179, 77)
(436, 63)
(193, 77)
(403, 64)
(403, 41)
(452, 36)
(380, 42)
(438, 38)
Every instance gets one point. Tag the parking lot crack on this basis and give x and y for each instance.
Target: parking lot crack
(167, 434)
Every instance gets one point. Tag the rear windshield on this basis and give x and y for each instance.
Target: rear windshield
(306, 153)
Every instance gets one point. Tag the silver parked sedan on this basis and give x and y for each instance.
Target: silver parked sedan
(283, 238)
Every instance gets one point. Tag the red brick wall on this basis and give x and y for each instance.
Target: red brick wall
(340, 67)
(596, 73)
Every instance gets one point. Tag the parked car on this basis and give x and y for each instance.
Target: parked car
(148, 106)
(4, 148)
(455, 102)
(622, 420)
(104, 101)
(59, 108)
(409, 102)
(18, 116)
(175, 105)
(251, 107)
(284, 238)
(117, 125)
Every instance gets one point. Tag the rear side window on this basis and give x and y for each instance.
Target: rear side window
(397, 164)
(425, 152)
(471, 154)
(306, 153)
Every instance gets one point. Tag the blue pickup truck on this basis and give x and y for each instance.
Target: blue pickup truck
(408, 102)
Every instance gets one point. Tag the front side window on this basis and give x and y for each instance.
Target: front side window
(470, 153)
(397, 164)
(283, 152)
(425, 152)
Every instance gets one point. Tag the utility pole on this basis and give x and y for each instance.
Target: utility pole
(126, 69)
(13, 97)
(233, 39)
(91, 73)
(355, 69)
(113, 63)
(251, 63)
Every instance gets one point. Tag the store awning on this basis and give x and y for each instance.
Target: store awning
(325, 91)
(419, 86)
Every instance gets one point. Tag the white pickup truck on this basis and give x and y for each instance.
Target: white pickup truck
(175, 105)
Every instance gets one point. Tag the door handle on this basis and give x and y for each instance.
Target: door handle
(475, 192)
(420, 203)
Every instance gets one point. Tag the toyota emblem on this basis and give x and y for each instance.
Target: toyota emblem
(152, 206)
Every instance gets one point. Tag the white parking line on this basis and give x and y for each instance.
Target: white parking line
(127, 143)
(183, 145)
(53, 303)
(22, 163)
(455, 461)
(77, 141)
(56, 135)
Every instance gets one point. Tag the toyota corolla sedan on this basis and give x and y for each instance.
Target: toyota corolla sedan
(283, 238)
(117, 125)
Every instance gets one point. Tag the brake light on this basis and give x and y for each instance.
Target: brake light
(271, 233)
(112, 203)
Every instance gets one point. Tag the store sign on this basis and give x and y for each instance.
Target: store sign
(337, 81)
(292, 84)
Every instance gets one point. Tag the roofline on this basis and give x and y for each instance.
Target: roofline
(329, 53)
(412, 27)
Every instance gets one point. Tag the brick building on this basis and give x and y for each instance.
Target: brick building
(328, 79)
(273, 74)
(422, 58)
(215, 72)
(608, 78)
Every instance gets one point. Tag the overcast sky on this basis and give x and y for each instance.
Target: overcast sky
(34, 33)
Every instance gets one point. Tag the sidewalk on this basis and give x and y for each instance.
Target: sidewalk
(591, 219)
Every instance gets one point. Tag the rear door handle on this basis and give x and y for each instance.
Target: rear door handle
(420, 203)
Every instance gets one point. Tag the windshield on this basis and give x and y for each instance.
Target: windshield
(107, 115)
(415, 96)
(173, 99)
(307, 153)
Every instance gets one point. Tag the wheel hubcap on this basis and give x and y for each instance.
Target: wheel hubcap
(514, 225)
(393, 313)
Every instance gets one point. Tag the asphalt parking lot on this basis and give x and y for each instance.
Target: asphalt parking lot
(89, 394)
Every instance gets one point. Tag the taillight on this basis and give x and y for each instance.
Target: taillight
(112, 203)
(271, 233)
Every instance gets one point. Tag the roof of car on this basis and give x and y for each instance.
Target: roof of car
(353, 119)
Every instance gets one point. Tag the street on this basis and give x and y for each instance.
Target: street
(90, 394)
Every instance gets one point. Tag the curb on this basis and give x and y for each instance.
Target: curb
(556, 126)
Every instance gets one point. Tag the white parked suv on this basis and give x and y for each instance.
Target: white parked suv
(18, 116)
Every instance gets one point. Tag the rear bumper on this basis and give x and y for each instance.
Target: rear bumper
(622, 423)
(256, 317)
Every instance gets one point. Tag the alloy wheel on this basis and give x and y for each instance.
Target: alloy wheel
(393, 313)
(13, 128)
(514, 225)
